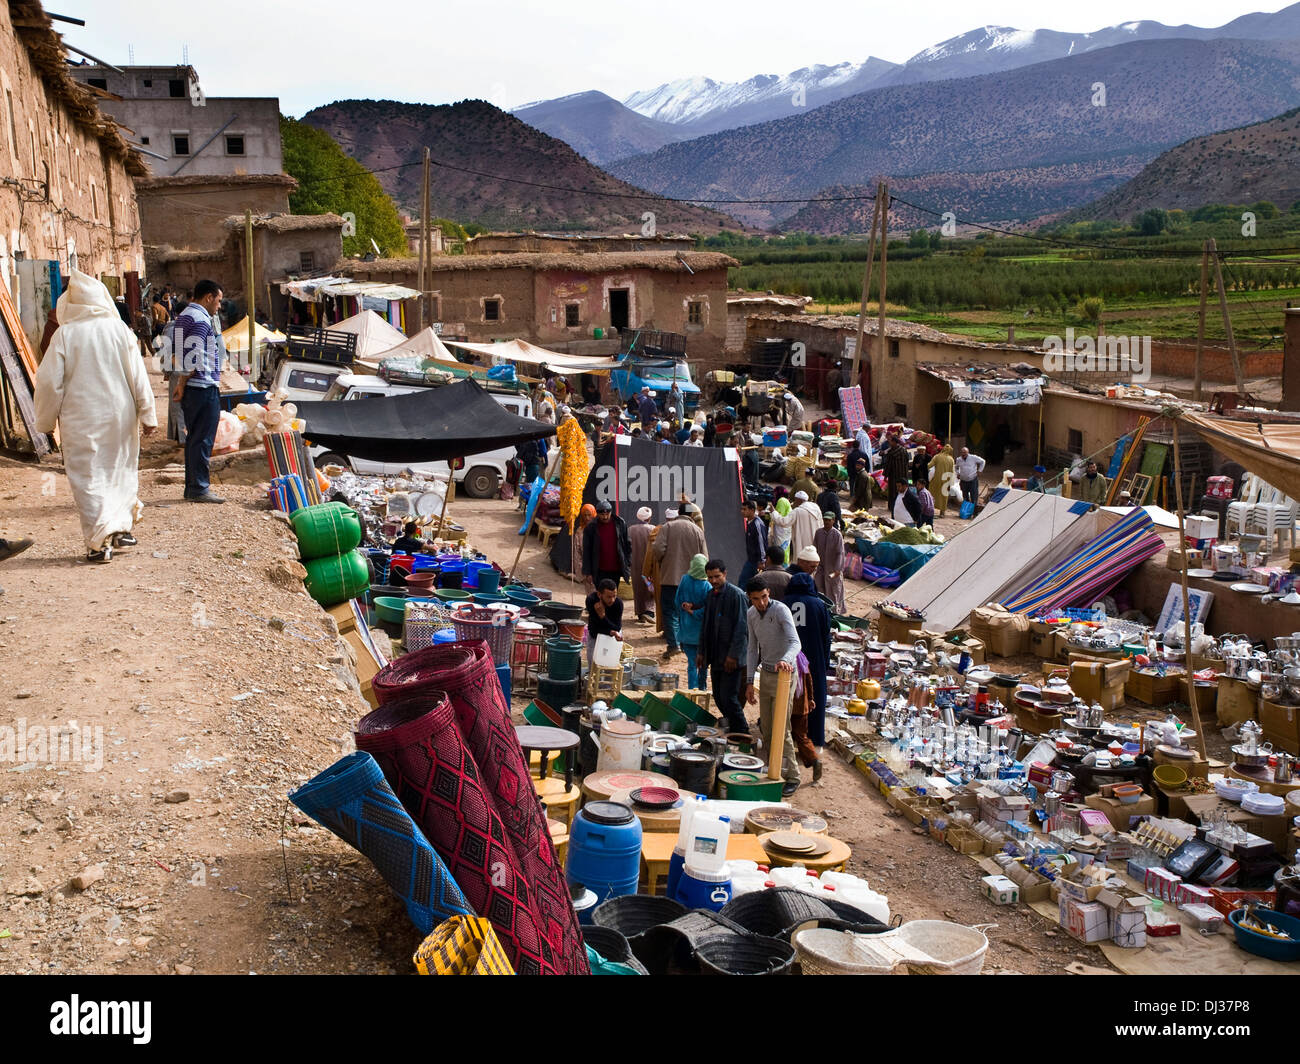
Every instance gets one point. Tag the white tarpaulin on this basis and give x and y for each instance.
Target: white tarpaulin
(997, 393)
(374, 335)
(523, 351)
(312, 289)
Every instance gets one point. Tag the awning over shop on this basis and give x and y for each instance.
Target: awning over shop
(426, 345)
(314, 289)
(429, 425)
(523, 351)
(374, 335)
(990, 385)
(1270, 450)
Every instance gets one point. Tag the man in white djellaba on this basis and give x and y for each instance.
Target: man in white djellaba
(93, 383)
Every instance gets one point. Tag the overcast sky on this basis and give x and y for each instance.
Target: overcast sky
(516, 51)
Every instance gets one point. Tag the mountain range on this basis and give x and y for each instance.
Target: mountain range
(596, 126)
(1049, 117)
(491, 168)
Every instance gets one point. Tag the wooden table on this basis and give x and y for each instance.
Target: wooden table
(532, 737)
(598, 786)
(834, 861)
(657, 852)
(654, 819)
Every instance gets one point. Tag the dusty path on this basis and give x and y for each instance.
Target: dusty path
(217, 685)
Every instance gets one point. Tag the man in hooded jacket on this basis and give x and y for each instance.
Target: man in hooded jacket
(812, 623)
(93, 383)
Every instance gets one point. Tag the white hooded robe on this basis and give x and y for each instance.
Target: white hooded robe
(93, 382)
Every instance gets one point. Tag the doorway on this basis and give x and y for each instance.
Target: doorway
(619, 307)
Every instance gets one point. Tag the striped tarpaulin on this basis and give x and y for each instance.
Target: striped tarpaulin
(1094, 569)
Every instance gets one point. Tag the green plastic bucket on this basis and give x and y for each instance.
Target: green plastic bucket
(740, 786)
(564, 657)
(337, 578)
(327, 529)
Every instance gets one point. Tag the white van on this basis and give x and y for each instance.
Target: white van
(482, 474)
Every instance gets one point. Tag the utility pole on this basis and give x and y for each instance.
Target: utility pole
(883, 196)
(250, 299)
(1227, 318)
(1200, 327)
(866, 287)
(424, 245)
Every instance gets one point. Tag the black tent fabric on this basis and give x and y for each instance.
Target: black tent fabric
(631, 472)
(431, 425)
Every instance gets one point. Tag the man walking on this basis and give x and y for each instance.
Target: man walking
(604, 614)
(829, 499)
(829, 543)
(639, 538)
(807, 520)
(773, 646)
(775, 576)
(794, 413)
(648, 409)
(755, 541)
(9, 548)
(606, 550)
(678, 541)
(968, 468)
(197, 386)
(93, 383)
(724, 635)
(897, 466)
(812, 621)
(861, 499)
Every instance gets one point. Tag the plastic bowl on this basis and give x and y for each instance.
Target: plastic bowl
(1263, 945)
(390, 608)
(522, 598)
(452, 594)
(1170, 777)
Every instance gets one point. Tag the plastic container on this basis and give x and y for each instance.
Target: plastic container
(451, 574)
(864, 898)
(445, 635)
(1262, 945)
(472, 571)
(796, 876)
(489, 580)
(706, 845)
(337, 578)
(604, 850)
(693, 770)
(327, 529)
(564, 657)
(503, 678)
(607, 652)
(744, 955)
(704, 890)
(619, 746)
(556, 692)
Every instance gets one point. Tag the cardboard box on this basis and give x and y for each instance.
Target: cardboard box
(1236, 702)
(1124, 899)
(1280, 719)
(1117, 812)
(1161, 883)
(1171, 803)
(1151, 688)
(1042, 640)
(1095, 821)
(1000, 890)
(896, 629)
(1179, 560)
(1084, 884)
(1086, 921)
(1096, 672)
(1033, 886)
(1128, 928)
(1198, 526)
(1282, 741)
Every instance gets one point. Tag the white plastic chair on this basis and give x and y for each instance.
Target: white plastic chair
(1239, 511)
(1275, 520)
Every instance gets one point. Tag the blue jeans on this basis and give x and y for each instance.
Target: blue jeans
(202, 409)
(668, 610)
(694, 677)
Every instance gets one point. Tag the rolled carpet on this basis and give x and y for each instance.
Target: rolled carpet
(354, 801)
(425, 758)
(464, 670)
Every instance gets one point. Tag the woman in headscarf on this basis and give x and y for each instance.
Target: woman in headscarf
(93, 383)
(585, 516)
(692, 590)
(942, 476)
(782, 525)
(639, 536)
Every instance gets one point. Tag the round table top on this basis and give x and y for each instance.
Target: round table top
(601, 785)
(535, 737)
(654, 819)
(839, 853)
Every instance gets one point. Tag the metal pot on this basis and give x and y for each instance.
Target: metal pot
(1283, 772)
(1250, 756)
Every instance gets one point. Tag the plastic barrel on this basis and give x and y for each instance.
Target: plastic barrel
(605, 850)
(503, 677)
(327, 529)
(338, 578)
(564, 656)
(703, 890)
(676, 863)
(445, 635)
(740, 786)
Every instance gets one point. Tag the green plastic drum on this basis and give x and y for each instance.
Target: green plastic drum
(337, 578)
(737, 785)
(329, 528)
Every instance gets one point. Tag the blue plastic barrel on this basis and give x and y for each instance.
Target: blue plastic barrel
(675, 865)
(703, 890)
(503, 677)
(445, 635)
(605, 850)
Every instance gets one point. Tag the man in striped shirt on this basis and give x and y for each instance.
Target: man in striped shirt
(197, 385)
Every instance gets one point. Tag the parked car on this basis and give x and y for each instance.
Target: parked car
(481, 475)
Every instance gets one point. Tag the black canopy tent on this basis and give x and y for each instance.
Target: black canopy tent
(430, 425)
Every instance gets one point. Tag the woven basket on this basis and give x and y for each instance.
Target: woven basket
(633, 913)
(612, 945)
(778, 910)
(744, 955)
(947, 948)
(669, 949)
(823, 951)
(494, 627)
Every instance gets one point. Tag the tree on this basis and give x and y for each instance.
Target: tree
(1090, 308)
(330, 181)
(919, 239)
(1152, 222)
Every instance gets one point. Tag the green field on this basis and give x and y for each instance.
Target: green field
(1146, 284)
